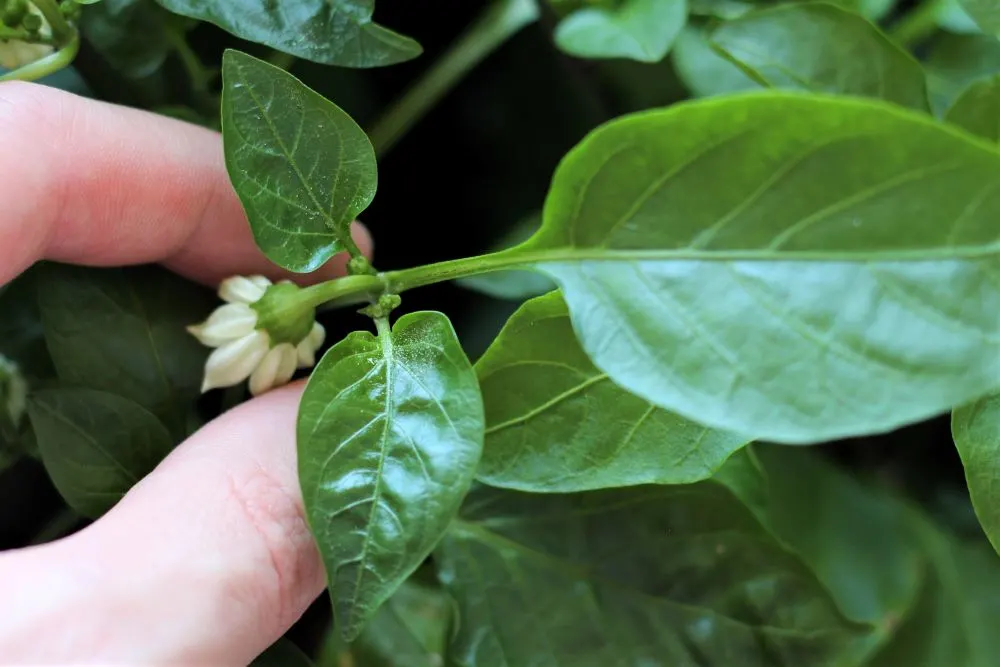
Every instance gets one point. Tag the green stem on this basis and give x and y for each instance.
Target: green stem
(491, 29)
(62, 31)
(45, 66)
(917, 25)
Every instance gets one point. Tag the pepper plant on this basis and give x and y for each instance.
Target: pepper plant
(753, 290)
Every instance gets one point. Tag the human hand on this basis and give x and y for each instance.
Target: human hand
(208, 560)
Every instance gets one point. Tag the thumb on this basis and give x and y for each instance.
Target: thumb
(207, 561)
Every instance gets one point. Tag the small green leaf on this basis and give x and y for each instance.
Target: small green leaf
(957, 61)
(331, 32)
(512, 285)
(302, 168)
(122, 331)
(822, 48)
(640, 30)
(977, 110)
(95, 445)
(132, 35)
(986, 14)
(796, 268)
(390, 431)
(409, 630)
(282, 653)
(650, 575)
(976, 429)
(705, 72)
(554, 423)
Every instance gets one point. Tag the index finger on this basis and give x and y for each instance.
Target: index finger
(92, 183)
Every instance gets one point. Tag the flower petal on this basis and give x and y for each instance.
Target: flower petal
(227, 323)
(233, 362)
(317, 335)
(286, 369)
(240, 289)
(260, 281)
(306, 355)
(262, 378)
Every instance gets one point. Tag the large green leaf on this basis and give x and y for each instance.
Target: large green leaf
(409, 630)
(681, 576)
(976, 429)
(822, 48)
(332, 32)
(555, 423)
(302, 168)
(978, 109)
(95, 445)
(640, 30)
(122, 331)
(855, 538)
(796, 268)
(703, 70)
(390, 431)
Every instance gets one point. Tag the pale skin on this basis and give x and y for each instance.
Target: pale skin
(208, 560)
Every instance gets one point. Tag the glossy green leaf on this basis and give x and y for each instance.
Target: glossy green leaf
(957, 61)
(390, 431)
(95, 445)
(132, 35)
(122, 331)
(282, 653)
(409, 630)
(703, 70)
(976, 429)
(640, 30)
(555, 423)
(302, 168)
(681, 576)
(512, 285)
(822, 48)
(986, 14)
(331, 32)
(855, 538)
(839, 279)
(977, 110)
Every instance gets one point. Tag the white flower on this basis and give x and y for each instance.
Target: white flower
(15, 53)
(245, 351)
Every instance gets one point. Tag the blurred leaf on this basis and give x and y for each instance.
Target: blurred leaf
(301, 166)
(132, 35)
(95, 445)
(282, 653)
(555, 423)
(390, 430)
(957, 61)
(986, 14)
(409, 630)
(703, 70)
(123, 331)
(977, 110)
(650, 575)
(976, 429)
(331, 32)
(22, 338)
(641, 30)
(512, 285)
(821, 48)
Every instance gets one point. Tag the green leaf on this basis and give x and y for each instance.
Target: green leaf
(512, 285)
(282, 653)
(839, 280)
(957, 61)
(986, 14)
(390, 431)
(977, 110)
(331, 32)
(822, 48)
(876, 574)
(976, 429)
(95, 445)
(640, 30)
(409, 630)
(554, 423)
(650, 575)
(302, 168)
(132, 35)
(122, 331)
(705, 72)
(22, 338)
